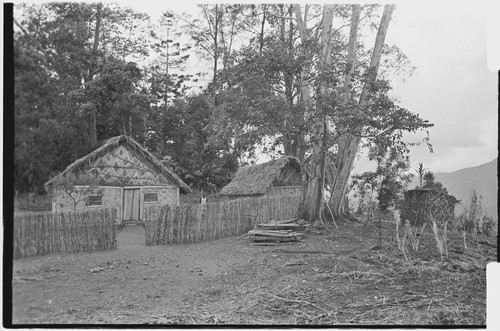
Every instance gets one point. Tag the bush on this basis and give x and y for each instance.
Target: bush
(472, 221)
(33, 202)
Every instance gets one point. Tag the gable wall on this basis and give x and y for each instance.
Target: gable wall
(123, 166)
(289, 176)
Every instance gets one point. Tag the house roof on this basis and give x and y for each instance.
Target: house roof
(110, 145)
(256, 179)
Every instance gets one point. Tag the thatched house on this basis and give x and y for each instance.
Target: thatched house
(119, 174)
(274, 177)
(420, 205)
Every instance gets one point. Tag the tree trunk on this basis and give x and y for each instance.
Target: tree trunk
(313, 203)
(294, 140)
(216, 53)
(263, 23)
(346, 96)
(92, 119)
(289, 137)
(349, 147)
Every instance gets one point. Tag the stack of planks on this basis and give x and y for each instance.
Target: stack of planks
(278, 231)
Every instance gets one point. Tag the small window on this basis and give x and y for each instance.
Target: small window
(150, 197)
(95, 200)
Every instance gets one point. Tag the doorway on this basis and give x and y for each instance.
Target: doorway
(131, 233)
(131, 204)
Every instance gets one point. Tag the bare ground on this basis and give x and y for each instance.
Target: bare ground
(337, 276)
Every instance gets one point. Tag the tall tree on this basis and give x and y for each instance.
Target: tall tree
(211, 36)
(256, 81)
(166, 73)
(182, 134)
(77, 37)
(60, 51)
(312, 204)
(349, 147)
(92, 123)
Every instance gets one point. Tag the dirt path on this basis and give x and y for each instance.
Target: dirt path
(327, 279)
(131, 282)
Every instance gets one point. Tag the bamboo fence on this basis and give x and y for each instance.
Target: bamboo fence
(167, 224)
(46, 233)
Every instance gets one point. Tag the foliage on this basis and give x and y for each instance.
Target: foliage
(420, 172)
(166, 74)
(79, 68)
(264, 79)
(62, 80)
(182, 133)
(32, 202)
(472, 221)
(389, 179)
(363, 187)
(55, 64)
(113, 95)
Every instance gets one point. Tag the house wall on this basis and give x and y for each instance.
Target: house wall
(167, 195)
(111, 198)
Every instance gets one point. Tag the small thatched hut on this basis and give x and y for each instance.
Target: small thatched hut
(422, 204)
(274, 177)
(120, 174)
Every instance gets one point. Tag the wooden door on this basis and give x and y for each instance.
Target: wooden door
(131, 204)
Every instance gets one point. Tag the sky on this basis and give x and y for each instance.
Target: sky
(452, 86)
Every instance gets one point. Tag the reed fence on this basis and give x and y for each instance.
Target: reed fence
(46, 233)
(166, 224)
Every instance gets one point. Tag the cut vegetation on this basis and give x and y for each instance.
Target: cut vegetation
(338, 276)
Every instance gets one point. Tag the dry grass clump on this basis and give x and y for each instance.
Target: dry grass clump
(441, 236)
(410, 235)
(472, 221)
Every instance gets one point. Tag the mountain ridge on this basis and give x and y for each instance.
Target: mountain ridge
(460, 183)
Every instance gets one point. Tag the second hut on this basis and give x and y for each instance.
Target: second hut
(268, 179)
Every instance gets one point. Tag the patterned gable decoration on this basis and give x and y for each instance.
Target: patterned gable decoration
(120, 161)
(121, 167)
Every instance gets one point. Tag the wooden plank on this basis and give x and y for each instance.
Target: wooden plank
(272, 239)
(272, 232)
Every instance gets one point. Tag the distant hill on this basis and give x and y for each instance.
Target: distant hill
(482, 178)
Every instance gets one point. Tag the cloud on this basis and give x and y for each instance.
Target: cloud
(452, 86)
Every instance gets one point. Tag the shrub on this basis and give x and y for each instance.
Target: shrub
(472, 220)
(33, 202)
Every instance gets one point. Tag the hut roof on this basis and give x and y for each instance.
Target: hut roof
(111, 144)
(256, 179)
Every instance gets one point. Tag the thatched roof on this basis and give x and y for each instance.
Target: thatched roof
(256, 179)
(79, 165)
